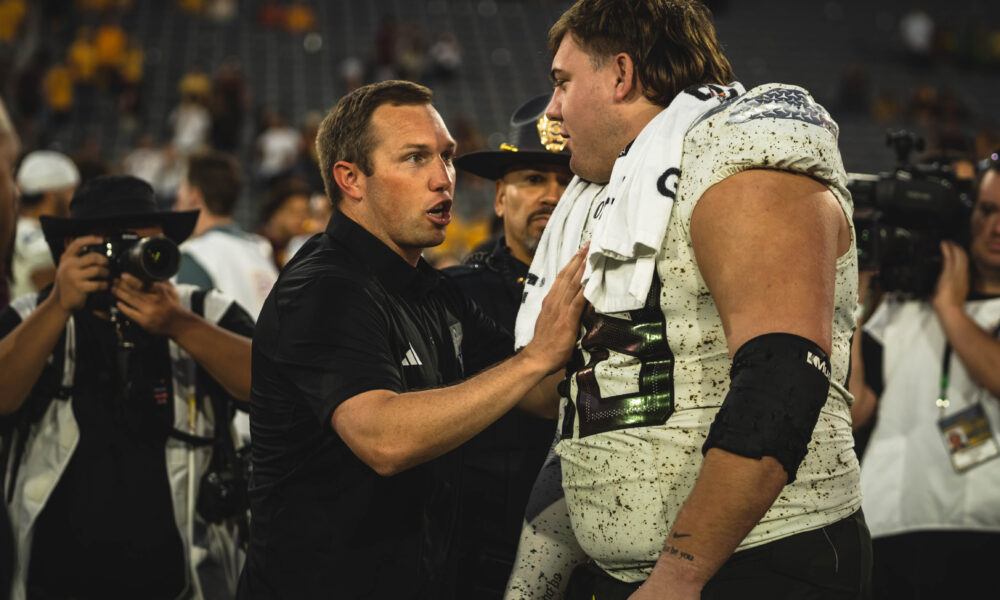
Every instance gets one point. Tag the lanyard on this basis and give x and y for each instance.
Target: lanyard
(942, 400)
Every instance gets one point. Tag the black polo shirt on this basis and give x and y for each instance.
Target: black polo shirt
(348, 315)
(494, 279)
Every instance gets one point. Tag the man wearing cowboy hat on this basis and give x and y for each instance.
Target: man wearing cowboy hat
(105, 429)
(531, 171)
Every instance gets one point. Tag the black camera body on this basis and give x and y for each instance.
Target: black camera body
(901, 217)
(149, 258)
(223, 494)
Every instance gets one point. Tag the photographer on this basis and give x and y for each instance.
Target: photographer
(932, 367)
(110, 403)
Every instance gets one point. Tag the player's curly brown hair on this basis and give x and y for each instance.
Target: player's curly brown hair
(671, 42)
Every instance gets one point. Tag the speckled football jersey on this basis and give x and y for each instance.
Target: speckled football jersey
(647, 383)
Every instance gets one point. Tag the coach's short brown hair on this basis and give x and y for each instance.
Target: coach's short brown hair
(346, 134)
(671, 42)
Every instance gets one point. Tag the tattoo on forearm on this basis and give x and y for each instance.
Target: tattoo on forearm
(675, 552)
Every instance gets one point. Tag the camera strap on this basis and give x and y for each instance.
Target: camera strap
(967, 433)
(942, 401)
(205, 386)
(202, 390)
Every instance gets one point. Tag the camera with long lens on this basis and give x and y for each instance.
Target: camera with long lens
(901, 217)
(147, 258)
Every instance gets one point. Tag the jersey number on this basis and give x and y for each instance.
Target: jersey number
(642, 336)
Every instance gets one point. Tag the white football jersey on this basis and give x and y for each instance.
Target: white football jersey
(647, 383)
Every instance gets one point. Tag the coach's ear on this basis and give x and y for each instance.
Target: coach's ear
(350, 179)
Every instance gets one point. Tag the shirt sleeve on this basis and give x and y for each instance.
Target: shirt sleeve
(237, 320)
(9, 320)
(332, 341)
(771, 127)
(191, 272)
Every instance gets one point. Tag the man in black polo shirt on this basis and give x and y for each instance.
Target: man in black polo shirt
(353, 492)
(499, 465)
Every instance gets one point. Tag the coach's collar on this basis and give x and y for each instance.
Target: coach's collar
(395, 274)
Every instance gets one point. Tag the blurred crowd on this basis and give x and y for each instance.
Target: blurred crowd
(252, 171)
(941, 112)
(74, 63)
(70, 66)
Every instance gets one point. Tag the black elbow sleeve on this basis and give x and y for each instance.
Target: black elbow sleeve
(778, 385)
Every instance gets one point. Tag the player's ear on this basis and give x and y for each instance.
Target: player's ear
(626, 83)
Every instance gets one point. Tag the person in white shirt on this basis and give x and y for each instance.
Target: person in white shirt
(220, 254)
(930, 369)
(277, 147)
(46, 180)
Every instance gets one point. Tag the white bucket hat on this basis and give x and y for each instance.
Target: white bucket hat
(45, 170)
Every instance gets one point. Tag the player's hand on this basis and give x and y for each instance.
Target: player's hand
(558, 324)
(648, 593)
(79, 274)
(155, 307)
(660, 588)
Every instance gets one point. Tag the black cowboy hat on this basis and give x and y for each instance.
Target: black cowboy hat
(533, 139)
(111, 201)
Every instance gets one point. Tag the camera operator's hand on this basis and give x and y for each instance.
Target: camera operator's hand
(157, 309)
(79, 274)
(953, 283)
(154, 307)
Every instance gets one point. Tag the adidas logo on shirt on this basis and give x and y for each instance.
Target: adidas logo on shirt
(411, 359)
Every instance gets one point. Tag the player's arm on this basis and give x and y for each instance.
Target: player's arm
(392, 432)
(766, 243)
(976, 348)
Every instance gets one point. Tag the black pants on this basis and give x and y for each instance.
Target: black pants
(831, 563)
(936, 564)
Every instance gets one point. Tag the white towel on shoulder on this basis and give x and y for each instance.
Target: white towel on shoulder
(558, 244)
(630, 221)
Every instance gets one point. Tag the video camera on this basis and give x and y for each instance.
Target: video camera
(149, 258)
(901, 217)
